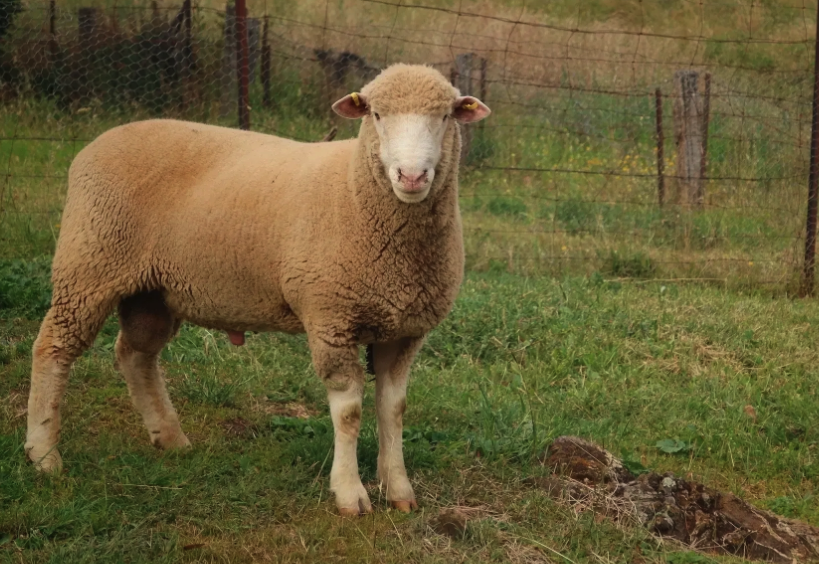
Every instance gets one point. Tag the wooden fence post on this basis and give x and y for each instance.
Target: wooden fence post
(706, 119)
(688, 136)
(463, 82)
(809, 267)
(658, 101)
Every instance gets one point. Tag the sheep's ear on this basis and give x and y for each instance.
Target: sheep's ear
(352, 106)
(468, 109)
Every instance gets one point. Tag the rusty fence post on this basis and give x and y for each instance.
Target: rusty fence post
(658, 103)
(265, 70)
(810, 226)
(243, 66)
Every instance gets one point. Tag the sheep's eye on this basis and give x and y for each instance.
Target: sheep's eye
(376, 115)
(446, 116)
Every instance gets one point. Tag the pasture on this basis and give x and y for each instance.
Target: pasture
(587, 310)
(519, 362)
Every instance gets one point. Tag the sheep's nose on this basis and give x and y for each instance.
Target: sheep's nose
(412, 181)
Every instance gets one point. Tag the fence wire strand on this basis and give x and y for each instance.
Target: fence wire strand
(562, 178)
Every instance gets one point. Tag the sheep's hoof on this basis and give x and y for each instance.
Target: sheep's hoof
(353, 511)
(403, 505)
(362, 509)
(170, 440)
(45, 460)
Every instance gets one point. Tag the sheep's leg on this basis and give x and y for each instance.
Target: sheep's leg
(392, 363)
(343, 376)
(146, 326)
(63, 337)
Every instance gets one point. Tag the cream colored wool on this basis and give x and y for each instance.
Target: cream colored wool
(238, 231)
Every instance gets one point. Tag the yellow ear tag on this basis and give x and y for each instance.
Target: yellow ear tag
(472, 106)
(355, 98)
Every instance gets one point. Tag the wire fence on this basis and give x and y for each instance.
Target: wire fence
(662, 139)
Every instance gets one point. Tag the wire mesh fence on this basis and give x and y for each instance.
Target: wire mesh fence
(636, 139)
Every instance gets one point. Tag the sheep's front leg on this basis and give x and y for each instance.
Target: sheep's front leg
(392, 363)
(343, 376)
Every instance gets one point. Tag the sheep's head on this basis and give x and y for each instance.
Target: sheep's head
(411, 108)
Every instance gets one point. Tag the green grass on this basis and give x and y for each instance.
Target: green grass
(519, 362)
(558, 329)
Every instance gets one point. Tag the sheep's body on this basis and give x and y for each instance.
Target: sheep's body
(249, 232)
(170, 221)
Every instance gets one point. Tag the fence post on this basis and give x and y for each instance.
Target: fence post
(706, 122)
(688, 136)
(188, 38)
(813, 195)
(229, 71)
(463, 79)
(243, 64)
(658, 102)
(52, 29)
(265, 70)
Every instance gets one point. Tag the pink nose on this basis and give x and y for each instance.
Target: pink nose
(412, 182)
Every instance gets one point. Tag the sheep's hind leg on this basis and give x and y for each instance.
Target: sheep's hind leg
(392, 363)
(146, 326)
(69, 328)
(343, 376)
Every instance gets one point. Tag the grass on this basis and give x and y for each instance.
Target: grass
(561, 177)
(567, 322)
(519, 362)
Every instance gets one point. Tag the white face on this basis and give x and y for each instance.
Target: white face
(410, 151)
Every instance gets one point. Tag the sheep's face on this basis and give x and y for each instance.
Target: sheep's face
(410, 142)
(410, 149)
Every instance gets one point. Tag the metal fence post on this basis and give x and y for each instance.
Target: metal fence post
(265, 70)
(810, 234)
(244, 64)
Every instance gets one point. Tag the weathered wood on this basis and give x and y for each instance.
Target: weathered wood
(808, 268)
(688, 137)
(463, 82)
(706, 122)
(658, 103)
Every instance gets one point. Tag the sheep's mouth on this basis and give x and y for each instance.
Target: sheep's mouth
(411, 197)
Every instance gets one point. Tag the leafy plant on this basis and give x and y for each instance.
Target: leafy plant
(673, 446)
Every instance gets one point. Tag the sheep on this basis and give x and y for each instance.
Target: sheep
(355, 242)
